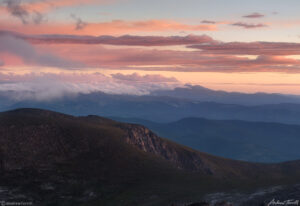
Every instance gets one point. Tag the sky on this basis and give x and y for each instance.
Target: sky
(136, 46)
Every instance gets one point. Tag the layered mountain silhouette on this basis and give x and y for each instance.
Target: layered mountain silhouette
(199, 93)
(235, 139)
(157, 108)
(51, 158)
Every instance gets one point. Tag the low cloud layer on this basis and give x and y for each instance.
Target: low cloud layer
(48, 86)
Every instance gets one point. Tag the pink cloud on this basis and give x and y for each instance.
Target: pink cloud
(135, 77)
(127, 40)
(210, 55)
(170, 60)
(115, 27)
(251, 48)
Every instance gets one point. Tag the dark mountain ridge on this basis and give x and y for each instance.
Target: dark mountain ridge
(56, 159)
(235, 139)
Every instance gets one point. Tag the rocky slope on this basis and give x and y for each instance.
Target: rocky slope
(55, 159)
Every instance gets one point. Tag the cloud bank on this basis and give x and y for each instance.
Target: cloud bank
(48, 86)
(203, 54)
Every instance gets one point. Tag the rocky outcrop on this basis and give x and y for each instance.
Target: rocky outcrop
(58, 160)
(183, 158)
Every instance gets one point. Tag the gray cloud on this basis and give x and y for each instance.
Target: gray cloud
(135, 77)
(208, 22)
(31, 55)
(38, 18)
(254, 15)
(16, 9)
(79, 25)
(249, 26)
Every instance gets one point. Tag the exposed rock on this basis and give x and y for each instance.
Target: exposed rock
(147, 141)
(56, 159)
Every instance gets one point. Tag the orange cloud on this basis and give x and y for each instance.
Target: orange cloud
(250, 48)
(170, 60)
(108, 28)
(82, 56)
(125, 40)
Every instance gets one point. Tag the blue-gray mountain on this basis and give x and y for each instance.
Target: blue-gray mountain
(203, 94)
(156, 108)
(242, 140)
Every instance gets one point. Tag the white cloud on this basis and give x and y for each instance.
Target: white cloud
(47, 86)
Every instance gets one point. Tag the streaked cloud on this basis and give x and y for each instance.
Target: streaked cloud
(114, 27)
(171, 60)
(250, 48)
(126, 40)
(135, 77)
(249, 25)
(208, 22)
(210, 54)
(254, 15)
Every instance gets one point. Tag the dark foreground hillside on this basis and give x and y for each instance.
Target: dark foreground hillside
(50, 158)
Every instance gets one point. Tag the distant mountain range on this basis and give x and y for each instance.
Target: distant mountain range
(241, 140)
(202, 94)
(157, 108)
(49, 158)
